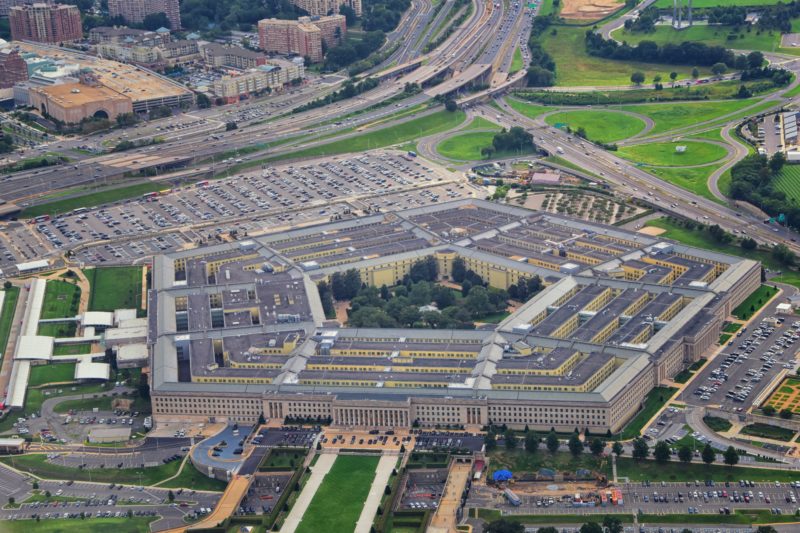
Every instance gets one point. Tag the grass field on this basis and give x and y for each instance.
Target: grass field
(516, 62)
(600, 126)
(86, 404)
(725, 36)
(757, 299)
(92, 199)
(37, 464)
(698, 4)
(717, 424)
(669, 116)
(575, 67)
(527, 109)
(701, 239)
(92, 525)
(521, 461)
(284, 458)
(51, 373)
(114, 288)
(788, 181)
(412, 130)
(337, 504)
(71, 349)
(768, 432)
(694, 179)
(61, 299)
(677, 471)
(7, 316)
(467, 147)
(480, 123)
(192, 478)
(666, 154)
(655, 400)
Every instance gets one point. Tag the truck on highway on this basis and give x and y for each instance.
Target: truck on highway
(559, 150)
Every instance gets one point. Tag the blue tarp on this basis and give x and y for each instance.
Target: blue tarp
(502, 475)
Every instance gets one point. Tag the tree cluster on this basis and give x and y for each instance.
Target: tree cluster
(348, 90)
(685, 53)
(514, 140)
(382, 14)
(6, 143)
(348, 53)
(241, 15)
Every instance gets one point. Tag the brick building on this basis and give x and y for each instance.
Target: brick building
(134, 11)
(325, 7)
(13, 68)
(303, 36)
(45, 23)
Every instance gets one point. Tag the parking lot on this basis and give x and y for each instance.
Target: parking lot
(264, 492)
(248, 204)
(749, 362)
(423, 489)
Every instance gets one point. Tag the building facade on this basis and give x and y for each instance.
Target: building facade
(13, 68)
(45, 23)
(327, 7)
(219, 55)
(134, 11)
(302, 37)
(273, 76)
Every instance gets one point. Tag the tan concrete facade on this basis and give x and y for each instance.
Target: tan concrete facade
(72, 102)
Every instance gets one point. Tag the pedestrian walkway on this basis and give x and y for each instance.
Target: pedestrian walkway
(382, 474)
(318, 473)
(444, 519)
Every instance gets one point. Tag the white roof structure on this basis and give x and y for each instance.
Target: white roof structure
(10, 443)
(784, 308)
(133, 323)
(126, 335)
(87, 369)
(34, 347)
(97, 318)
(33, 265)
(121, 315)
(132, 352)
(18, 384)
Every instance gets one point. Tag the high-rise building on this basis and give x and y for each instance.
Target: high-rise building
(303, 36)
(45, 23)
(327, 7)
(13, 68)
(134, 11)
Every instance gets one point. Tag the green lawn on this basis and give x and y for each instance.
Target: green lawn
(191, 478)
(61, 299)
(600, 126)
(7, 316)
(712, 135)
(411, 130)
(51, 373)
(698, 4)
(516, 62)
(717, 424)
(90, 525)
(666, 153)
(480, 123)
(72, 349)
(788, 181)
(465, 147)
(677, 471)
(654, 401)
(37, 464)
(768, 432)
(527, 109)
(86, 404)
(92, 199)
(114, 288)
(716, 35)
(754, 302)
(519, 461)
(284, 458)
(732, 327)
(337, 504)
(575, 67)
(669, 116)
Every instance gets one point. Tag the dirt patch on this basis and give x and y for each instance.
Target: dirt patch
(652, 231)
(588, 10)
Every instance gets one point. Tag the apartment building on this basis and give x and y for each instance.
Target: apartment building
(45, 23)
(327, 7)
(302, 37)
(134, 11)
(13, 68)
(219, 55)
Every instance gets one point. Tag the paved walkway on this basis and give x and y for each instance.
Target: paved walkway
(444, 519)
(382, 475)
(318, 473)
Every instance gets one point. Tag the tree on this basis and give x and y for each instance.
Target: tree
(230, 126)
(153, 21)
(657, 79)
(552, 442)
(591, 527)
(755, 60)
(637, 78)
(35, 485)
(708, 454)
(766, 529)
(768, 410)
(748, 244)
(718, 69)
(672, 77)
(776, 162)
(203, 101)
(458, 270)
(661, 452)
(617, 448)
(451, 105)
(261, 419)
(783, 254)
(504, 526)
(349, 14)
(477, 301)
(786, 413)
(547, 529)
(695, 73)
(731, 456)
(596, 446)
(540, 77)
(171, 496)
(387, 490)
(532, 442)
(612, 524)
(510, 439)
(11, 500)
(640, 449)
(685, 454)
(575, 445)
(7, 285)
(490, 441)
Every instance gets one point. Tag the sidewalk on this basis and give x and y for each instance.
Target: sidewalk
(318, 473)
(382, 474)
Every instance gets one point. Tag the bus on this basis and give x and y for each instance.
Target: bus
(40, 218)
(201, 183)
(164, 191)
(79, 210)
(149, 195)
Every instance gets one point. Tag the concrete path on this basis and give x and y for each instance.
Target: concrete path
(318, 473)
(382, 474)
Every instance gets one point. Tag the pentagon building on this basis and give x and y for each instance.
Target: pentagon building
(238, 329)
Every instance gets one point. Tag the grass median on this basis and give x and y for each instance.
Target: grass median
(7, 315)
(679, 472)
(674, 154)
(600, 126)
(91, 525)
